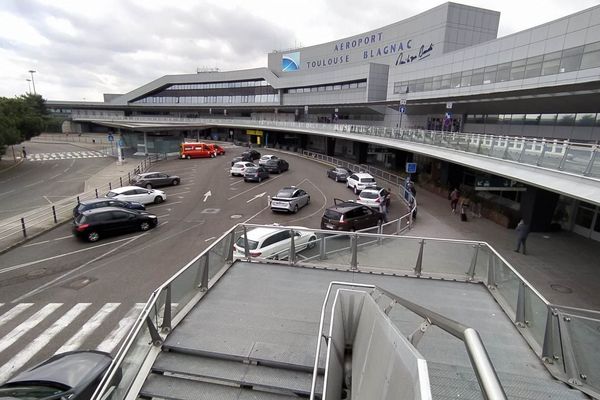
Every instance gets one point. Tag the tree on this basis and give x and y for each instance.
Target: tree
(21, 118)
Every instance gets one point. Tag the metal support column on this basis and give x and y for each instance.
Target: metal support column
(354, 250)
(571, 367)
(548, 353)
(166, 325)
(230, 248)
(419, 264)
(292, 256)
(322, 249)
(204, 277)
(246, 250)
(156, 339)
(471, 272)
(588, 168)
(491, 280)
(520, 311)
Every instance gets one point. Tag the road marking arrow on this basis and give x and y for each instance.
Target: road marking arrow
(206, 195)
(257, 196)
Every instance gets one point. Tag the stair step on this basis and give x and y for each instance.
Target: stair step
(235, 372)
(172, 388)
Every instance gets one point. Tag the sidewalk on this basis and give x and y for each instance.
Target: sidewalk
(562, 266)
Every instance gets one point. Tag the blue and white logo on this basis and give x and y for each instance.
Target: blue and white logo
(290, 62)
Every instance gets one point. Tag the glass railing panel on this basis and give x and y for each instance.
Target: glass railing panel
(398, 253)
(577, 159)
(332, 249)
(552, 156)
(514, 150)
(447, 257)
(482, 262)
(507, 283)
(585, 339)
(498, 148)
(186, 285)
(536, 315)
(218, 254)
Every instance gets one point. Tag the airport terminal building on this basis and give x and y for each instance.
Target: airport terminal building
(442, 70)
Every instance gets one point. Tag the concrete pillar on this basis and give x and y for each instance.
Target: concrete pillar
(361, 150)
(537, 208)
(330, 146)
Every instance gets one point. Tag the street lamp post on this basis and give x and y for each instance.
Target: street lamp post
(29, 84)
(31, 71)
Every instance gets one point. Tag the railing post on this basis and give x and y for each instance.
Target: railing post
(354, 251)
(204, 276)
(166, 325)
(561, 165)
(109, 186)
(524, 144)
(54, 214)
(292, 255)
(419, 264)
(246, 250)
(230, 248)
(322, 248)
(23, 227)
(520, 311)
(96, 190)
(471, 271)
(548, 352)
(156, 339)
(541, 157)
(121, 181)
(491, 280)
(128, 177)
(570, 362)
(588, 168)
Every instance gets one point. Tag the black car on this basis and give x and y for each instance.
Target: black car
(155, 179)
(276, 165)
(73, 375)
(250, 155)
(237, 159)
(339, 174)
(255, 174)
(350, 216)
(91, 225)
(105, 202)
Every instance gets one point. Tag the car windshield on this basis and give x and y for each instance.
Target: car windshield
(369, 195)
(285, 193)
(251, 169)
(239, 165)
(29, 392)
(112, 194)
(252, 245)
(367, 180)
(332, 214)
(80, 219)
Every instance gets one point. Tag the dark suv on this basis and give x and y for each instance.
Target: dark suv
(250, 155)
(155, 179)
(277, 166)
(105, 202)
(350, 216)
(94, 224)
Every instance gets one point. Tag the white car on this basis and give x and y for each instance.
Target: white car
(373, 197)
(240, 167)
(263, 160)
(274, 243)
(360, 181)
(137, 194)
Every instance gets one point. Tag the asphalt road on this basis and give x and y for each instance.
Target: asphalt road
(122, 271)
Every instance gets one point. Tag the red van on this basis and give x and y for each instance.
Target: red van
(197, 150)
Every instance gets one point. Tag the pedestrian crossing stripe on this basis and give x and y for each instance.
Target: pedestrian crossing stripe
(69, 155)
(19, 354)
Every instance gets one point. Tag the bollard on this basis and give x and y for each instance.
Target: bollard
(23, 227)
(129, 177)
(96, 193)
(121, 180)
(54, 214)
(109, 186)
(78, 202)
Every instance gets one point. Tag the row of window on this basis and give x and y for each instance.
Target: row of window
(258, 98)
(326, 88)
(574, 59)
(571, 119)
(217, 85)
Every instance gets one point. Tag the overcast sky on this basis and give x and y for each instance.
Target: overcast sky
(81, 49)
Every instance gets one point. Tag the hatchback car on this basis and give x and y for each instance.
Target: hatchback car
(277, 165)
(263, 160)
(339, 174)
(360, 181)
(255, 174)
(274, 243)
(373, 197)
(91, 225)
(138, 194)
(155, 179)
(240, 167)
(73, 375)
(350, 216)
(105, 202)
(250, 155)
(220, 150)
(290, 199)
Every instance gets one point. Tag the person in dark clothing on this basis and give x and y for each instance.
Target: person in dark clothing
(522, 233)
(23, 152)
(463, 210)
(454, 197)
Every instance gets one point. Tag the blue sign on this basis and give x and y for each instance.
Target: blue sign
(411, 168)
(448, 115)
(402, 109)
(290, 62)
(111, 137)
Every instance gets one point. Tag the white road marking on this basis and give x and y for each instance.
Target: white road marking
(256, 197)
(210, 238)
(177, 194)
(33, 184)
(166, 204)
(40, 341)
(207, 195)
(117, 334)
(48, 241)
(91, 325)
(5, 193)
(236, 182)
(16, 310)
(162, 216)
(255, 186)
(34, 320)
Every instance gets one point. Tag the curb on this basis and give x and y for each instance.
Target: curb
(12, 166)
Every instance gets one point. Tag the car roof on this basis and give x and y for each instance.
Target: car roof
(345, 206)
(106, 209)
(260, 233)
(376, 189)
(244, 163)
(97, 200)
(363, 175)
(124, 189)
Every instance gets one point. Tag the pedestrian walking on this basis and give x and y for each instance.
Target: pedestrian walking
(522, 233)
(464, 205)
(454, 197)
(23, 152)
(383, 210)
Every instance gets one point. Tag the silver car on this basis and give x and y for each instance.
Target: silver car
(290, 199)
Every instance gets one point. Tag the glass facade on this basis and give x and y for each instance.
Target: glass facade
(573, 59)
(326, 88)
(569, 119)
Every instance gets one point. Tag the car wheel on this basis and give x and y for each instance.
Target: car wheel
(144, 226)
(175, 182)
(295, 208)
(312, 242)
(148, 186)
(188, 157)
(158, 200)
(336, 179)
(93, 237)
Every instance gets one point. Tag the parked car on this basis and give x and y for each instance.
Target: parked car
(250, 155)
(94, 224)
(274, 242)
(105, 202)
(240, 167)
(350, 216)
(237, 159)
(255, 174)
(197, 150)
(137, 194)
(339, 174)
(373, 197)
(220, 150)
(263, 160)
(360, 181)
(73, 375)
(290, 199)
(277, 166)
(155, 179)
